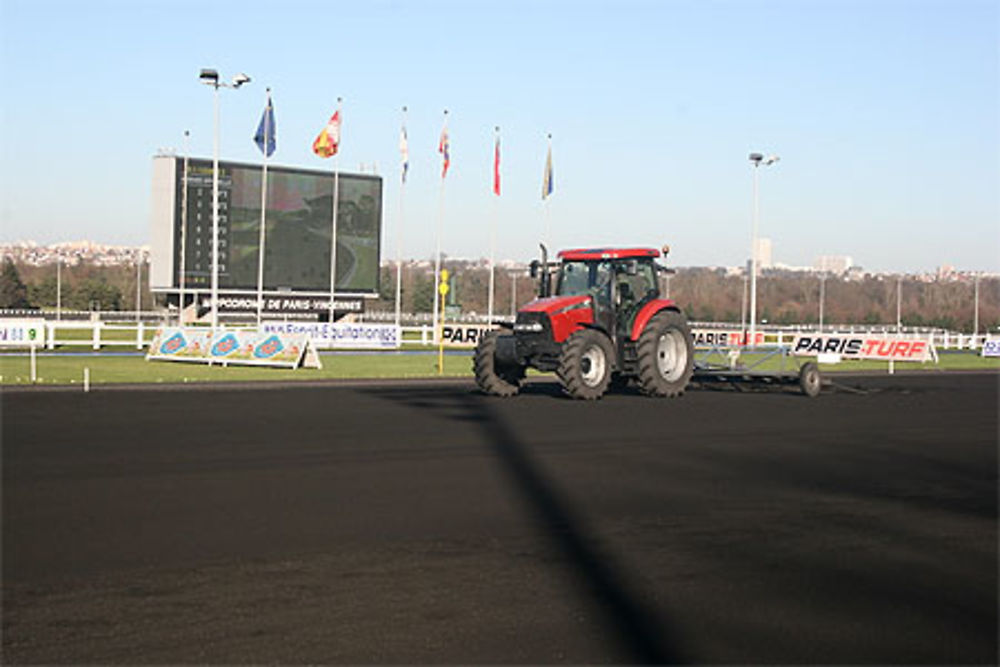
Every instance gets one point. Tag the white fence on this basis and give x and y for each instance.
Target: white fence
(136, 335)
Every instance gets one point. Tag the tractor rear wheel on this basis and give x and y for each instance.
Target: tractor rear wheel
(492, 378)
(666, 355)
(585, 364)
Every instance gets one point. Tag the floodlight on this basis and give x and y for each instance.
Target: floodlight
(771, 159)
(756, 157)
(240, 79)
(209, 76)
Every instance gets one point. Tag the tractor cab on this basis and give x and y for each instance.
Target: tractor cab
(618, 286)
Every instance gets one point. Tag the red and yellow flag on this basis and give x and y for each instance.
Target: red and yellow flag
(328, 142)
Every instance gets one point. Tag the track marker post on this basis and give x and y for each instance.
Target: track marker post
(443, 290)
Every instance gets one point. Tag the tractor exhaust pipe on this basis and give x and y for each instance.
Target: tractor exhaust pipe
(540, 270)
(544, 286)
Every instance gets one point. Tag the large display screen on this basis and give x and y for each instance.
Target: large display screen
(298, 228)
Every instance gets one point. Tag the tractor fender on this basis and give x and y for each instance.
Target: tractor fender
(647, 312)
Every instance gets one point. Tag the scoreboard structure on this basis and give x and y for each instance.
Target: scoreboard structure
(297, 239)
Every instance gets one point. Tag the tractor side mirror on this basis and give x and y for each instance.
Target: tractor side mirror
(665, 270)
(534, 268)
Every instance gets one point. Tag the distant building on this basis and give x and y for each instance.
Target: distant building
(765, 259)
(838, 264)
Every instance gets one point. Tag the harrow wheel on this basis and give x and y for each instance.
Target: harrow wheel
(809, 379)
(586, 364)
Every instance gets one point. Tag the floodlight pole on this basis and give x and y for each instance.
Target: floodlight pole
(211, 78)
(215, 213)
(755, 159)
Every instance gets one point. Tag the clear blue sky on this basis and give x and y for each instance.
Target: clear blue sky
(885, 115)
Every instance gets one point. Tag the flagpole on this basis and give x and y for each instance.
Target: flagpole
(404, 154)
(184, 207)
(494, 222)
(440, 226)
(548, 187)
(263, 211)
(333, 234)
(437, 257)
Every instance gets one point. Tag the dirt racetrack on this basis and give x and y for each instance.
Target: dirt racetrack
(424, 523)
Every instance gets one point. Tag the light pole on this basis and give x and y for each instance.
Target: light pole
(210, 77)
(756, 159)
(138, 287)
(59, 287)
(975, 312)
(513, 294)
(822, 297)
(899, 304)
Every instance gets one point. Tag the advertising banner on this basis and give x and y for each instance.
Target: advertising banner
(724, 338)
(238, 347)
(176, 343)
(464, 335)
(991, 347)
(865, 346)
(343, 336)
(22, 333)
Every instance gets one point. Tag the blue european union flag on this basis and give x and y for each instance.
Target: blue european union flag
(265, 136)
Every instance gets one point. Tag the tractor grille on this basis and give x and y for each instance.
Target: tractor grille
(535, 345)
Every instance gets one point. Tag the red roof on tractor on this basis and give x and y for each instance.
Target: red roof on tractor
(593, 254)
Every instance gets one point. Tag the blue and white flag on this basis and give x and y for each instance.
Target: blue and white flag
(265, 136)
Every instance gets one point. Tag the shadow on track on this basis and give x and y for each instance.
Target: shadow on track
(641, 632)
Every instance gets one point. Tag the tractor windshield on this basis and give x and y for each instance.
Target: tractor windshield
(583, 278)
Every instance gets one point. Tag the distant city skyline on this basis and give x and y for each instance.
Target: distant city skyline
(884, 115)
(42, 254)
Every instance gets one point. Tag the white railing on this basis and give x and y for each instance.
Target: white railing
(136, 335)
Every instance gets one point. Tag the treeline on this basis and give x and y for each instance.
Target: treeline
(711, 296)
(83, 286)
(704, 294)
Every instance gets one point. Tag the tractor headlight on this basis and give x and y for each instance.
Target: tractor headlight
(530, 323)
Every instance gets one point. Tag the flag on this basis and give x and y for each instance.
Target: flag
(265, 136)
(496, 168)
(547, 182)
(328, 142)
(444, 148)
(404, 153)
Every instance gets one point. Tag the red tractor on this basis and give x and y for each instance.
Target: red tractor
(605, 319)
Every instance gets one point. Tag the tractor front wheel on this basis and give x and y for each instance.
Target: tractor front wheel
(666, 355)
(492, 378)
(586, 364)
